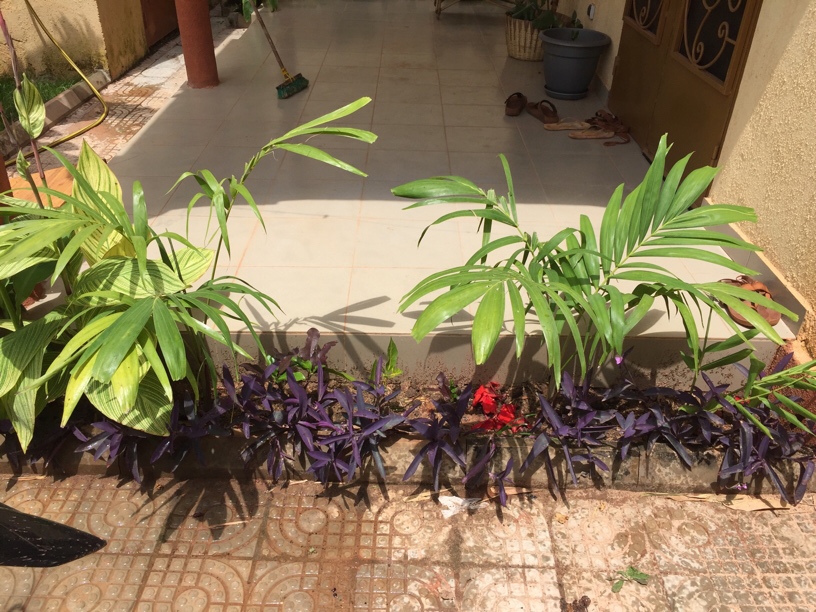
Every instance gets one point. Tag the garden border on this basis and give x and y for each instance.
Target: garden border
(658, 471)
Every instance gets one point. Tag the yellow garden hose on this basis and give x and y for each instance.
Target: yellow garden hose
(95, 92)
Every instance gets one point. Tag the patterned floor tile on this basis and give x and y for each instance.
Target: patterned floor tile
(130, 521)
(598, 533)
(502, 589)
(407, 532)
(577, 582)
(519, 537)
(54, 500)
(94, 583)
(300, 586)
(688, 538)
(195, 585)
(401, 587)
(214, 518)
(16, 584)
(320, 528)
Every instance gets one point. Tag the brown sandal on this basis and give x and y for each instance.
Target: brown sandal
(566, 125)
(746, 282)
(515, 104)
(592, 133)
(544, 111)
(607, 122)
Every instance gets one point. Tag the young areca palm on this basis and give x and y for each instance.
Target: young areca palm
(571, 281)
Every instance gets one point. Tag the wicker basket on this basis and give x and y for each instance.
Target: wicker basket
(522, 40)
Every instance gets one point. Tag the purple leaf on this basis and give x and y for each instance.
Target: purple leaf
(777, 482)
(805, 473)
(415, 463)
(539, 446)
(783, 363)
(485, 455)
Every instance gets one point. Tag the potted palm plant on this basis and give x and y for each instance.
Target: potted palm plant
(524, 22)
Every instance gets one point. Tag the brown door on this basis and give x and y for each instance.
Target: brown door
(678, 70)
(159, 19)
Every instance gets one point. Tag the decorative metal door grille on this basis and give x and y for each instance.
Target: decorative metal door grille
(710, 34)
(646, 14)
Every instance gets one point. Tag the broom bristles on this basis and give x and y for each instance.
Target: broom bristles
(292, 86)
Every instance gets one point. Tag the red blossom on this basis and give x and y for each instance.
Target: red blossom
(505, 416)
(487, 397)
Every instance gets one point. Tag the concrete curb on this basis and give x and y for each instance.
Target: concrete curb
(57, 108)
(659, 470)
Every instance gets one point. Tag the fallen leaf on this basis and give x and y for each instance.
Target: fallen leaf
(746, 503)
(561, 518)
(424, 496)
(493, 492)
(227, 524)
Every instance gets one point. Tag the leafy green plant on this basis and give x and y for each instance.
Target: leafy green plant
(572, 282)
(247, 7)
(386, 368)
(543, 14)
(630, 574)
(131, 331)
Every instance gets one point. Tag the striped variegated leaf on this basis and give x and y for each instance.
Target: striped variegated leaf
(150, 413)
(22, 407)
(99, 179)
(192, 264)
(121, 274)
(30, 108)
(19, 348)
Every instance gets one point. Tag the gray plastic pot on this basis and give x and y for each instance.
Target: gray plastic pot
(570, 59)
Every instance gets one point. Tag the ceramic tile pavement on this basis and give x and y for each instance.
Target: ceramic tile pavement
(438, 88)
(250, 546)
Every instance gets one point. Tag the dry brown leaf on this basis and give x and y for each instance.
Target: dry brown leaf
(561, 518)
(745, 503)
(424, 496)
(493, 492)
(227, 524)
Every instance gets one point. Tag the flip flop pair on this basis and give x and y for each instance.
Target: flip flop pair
(746, 282)
(543, 110)
(604, 125)
(516, 103)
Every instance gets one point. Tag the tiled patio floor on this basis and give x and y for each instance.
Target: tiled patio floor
(339, 251)
(229, 546)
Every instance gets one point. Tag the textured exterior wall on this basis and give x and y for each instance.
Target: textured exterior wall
(105, 34)
(767, 160)
(124, 34)
(609, 20)
(74, 23)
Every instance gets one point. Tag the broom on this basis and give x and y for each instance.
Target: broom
(292, 84)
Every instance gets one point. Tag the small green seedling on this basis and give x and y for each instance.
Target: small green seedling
(389, 364)
(629, 575)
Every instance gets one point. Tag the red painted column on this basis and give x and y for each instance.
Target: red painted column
(197, 43)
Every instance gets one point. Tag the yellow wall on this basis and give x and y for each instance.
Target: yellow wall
(768, 155)
(609, 20)
(95, 33)
(124, 34)
(74, 23)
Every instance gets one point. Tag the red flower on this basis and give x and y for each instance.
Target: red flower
(487, 397)
(505, 416)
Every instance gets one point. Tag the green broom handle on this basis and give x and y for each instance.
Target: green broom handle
(285, 72)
